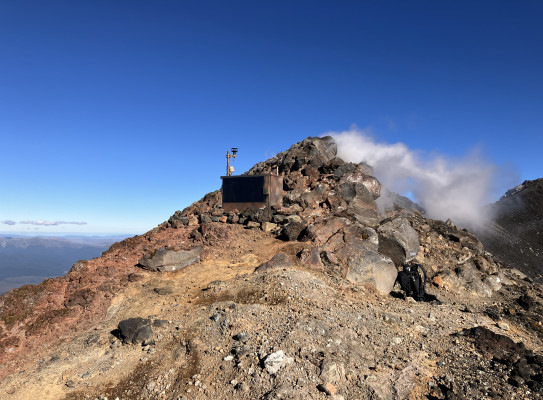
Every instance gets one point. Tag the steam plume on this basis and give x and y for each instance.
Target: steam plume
(446, 188)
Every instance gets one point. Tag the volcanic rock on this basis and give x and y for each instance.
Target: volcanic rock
(280, 260)
(168, 260)
(311, 258)
(360, 203)
(367, 266)
(398, 240)
(292, 230)
(135, 330)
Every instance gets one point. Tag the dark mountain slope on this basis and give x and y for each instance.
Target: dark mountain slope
(516, 234)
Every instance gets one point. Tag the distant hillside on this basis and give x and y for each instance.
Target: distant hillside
(25, 260)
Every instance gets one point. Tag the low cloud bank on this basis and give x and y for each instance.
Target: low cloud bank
(40, 222)
(445, 187)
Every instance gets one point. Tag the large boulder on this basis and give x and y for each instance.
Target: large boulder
(362, 173)
(360, 203)
(135, 330)
(324, 148)
(321, 231)
(371, 268)
(357, 259)
(168, 260)
(398, 240)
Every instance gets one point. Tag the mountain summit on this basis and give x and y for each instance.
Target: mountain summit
(293, 301)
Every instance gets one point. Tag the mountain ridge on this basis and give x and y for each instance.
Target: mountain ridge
(289, 302)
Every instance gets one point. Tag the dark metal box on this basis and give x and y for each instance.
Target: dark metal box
(244, 191)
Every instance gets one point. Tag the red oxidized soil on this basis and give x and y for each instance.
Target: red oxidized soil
(36, 317)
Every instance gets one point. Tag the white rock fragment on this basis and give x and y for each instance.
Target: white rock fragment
(275, 361)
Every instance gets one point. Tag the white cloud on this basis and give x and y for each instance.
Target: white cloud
(51, 223)
(9, 222)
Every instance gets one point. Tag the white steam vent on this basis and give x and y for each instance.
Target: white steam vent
(446, 188)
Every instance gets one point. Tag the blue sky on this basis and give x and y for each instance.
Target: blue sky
(119, 113)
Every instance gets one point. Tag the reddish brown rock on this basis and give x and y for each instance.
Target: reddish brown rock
(311, 258)
(280, 260)
(321, 231)
(438, 281)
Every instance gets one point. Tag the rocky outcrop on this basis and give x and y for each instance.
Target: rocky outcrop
(316, 183)
(332, 204)
(323, 195)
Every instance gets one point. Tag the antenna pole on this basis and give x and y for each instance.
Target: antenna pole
(228, 157)
(227, 163)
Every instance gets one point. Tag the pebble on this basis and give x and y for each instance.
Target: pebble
(397, 340)
(503, 326)
(241, 336)
(327, 388)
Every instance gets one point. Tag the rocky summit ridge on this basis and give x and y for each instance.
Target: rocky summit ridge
(289, 302)
(515, 231)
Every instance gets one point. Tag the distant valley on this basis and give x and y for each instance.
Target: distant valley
(30, 260)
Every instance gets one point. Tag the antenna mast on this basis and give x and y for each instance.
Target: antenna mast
(230, 169)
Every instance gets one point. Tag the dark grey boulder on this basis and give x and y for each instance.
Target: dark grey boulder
(135, 330)
(343, 169)
(292, 230)
(258, 214)
(398, 240)
(168, 260)
(165, 290)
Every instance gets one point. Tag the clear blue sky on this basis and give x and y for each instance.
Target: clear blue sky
(119, 113)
